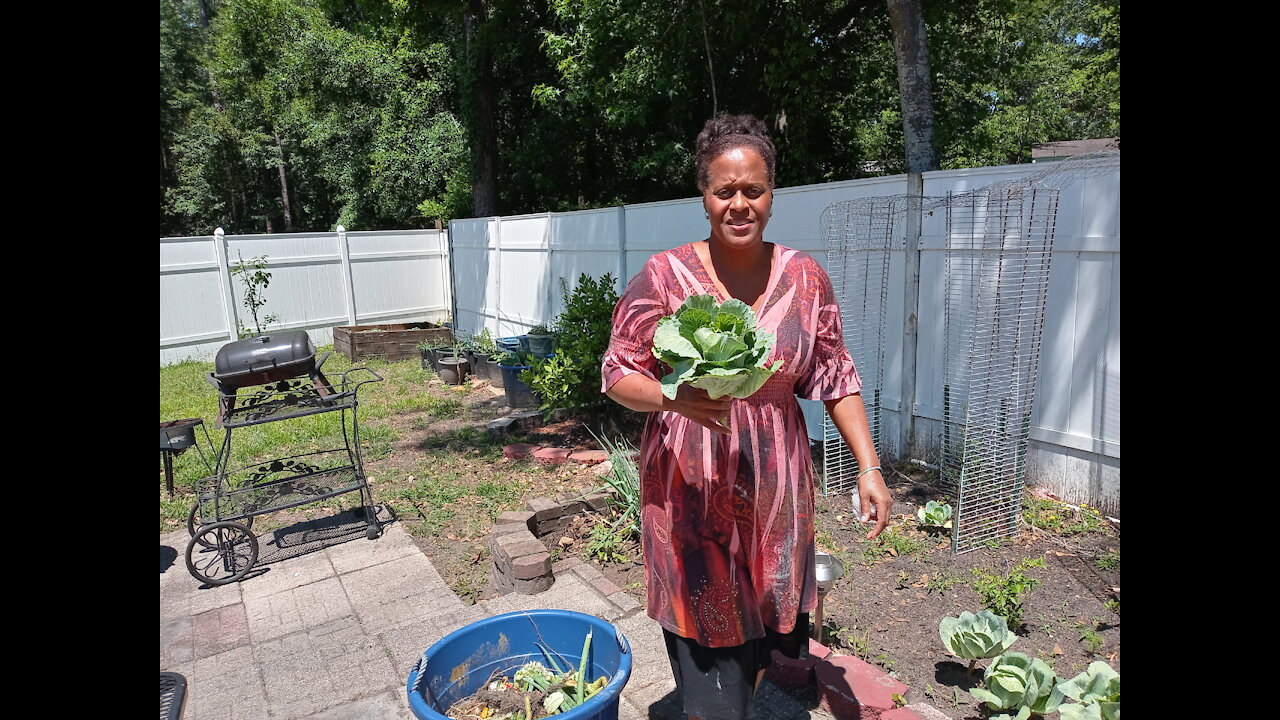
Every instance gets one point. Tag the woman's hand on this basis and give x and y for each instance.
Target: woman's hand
(695, 404)
(875, 501)
(644, 394)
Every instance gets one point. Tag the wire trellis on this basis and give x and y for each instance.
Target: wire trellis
(858, 240)
(1000, 239)
(996, 281)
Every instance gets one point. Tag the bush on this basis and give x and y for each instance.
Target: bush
(571, 379)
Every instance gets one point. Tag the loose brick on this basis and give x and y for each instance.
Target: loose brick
(792, 672)
(519, 450)
(597, 501)
(588, 457)
(512, 517)
(605, 586)
(499, 427)
(818, 650)
(535, 585)
(515, 545)
(852, 689)
(508, 529)
(528, 567)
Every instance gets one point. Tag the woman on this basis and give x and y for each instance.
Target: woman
(727, 485)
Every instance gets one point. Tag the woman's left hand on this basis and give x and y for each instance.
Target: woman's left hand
(875, 501)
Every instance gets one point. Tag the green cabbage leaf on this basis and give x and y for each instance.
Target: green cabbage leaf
(715, 347)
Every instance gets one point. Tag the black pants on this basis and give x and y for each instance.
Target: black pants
(718, 683)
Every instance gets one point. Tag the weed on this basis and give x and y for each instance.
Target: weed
(1002, 594)
(903, 579)
(899, 701)
(1113, 605)
(1091, 640)
(893, 542)
(1057, 517)
(606, 544)
(943, 581)
(1107, 559)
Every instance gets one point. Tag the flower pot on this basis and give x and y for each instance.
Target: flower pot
(519, 395)
(541, 345)
(461, 662)
(509, 344)
(453, 370)
(435, 353)
(480, 365)
(495, 373)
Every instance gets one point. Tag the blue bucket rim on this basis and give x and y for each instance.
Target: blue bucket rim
(611, 692)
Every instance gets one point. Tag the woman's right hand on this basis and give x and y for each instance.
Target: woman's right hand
(695, 404)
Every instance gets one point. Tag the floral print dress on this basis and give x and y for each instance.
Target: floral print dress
(727, 520)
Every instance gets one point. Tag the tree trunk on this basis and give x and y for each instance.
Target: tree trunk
(284, 187)
(914, 85)
(484, 136)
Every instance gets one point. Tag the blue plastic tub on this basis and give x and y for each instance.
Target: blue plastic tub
(468, 657)
(510, 344)
(519, 394)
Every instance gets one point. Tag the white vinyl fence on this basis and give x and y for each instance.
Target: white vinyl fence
(318, 281)
(507, 272)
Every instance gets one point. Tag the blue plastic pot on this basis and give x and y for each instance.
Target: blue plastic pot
(519, 394)
(510, 344)
(462, 661)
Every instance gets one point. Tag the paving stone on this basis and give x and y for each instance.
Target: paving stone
(406, 643)
(851, 688)
(788, 671)
(518, 451)
(587, 572)
(507, 529)
(383, 706)
(552, 456)
(360, 552)
(565, 565)
(398, 592)
(219, 630)
(624, 601)
(226, 685)
(499, 427)
(605, 586)
(818, 650)
(588, 457)
(515, 517)
(288, 574)
(298, 610)
(915, 711)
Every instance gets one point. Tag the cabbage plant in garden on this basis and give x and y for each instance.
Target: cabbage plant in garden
(974, 637)
(935, 514)
(1017, 682)
(714, 347)
(1096, 692)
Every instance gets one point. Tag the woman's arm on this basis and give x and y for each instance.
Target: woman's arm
(644, 394)
(850, 416)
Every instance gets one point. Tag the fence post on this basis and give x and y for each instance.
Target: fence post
(228, 290)
(348, 285)
(910, 313)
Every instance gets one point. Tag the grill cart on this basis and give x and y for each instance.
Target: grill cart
(267, 379)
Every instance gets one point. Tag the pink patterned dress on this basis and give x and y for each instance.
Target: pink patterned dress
(727, 520)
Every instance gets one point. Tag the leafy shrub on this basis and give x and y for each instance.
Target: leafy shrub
(1002, 594)
(974, 637)
(1017, 682)
(571, 379)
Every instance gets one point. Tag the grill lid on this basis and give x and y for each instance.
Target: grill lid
(288, 353)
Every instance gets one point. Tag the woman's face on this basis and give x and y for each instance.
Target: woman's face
(738, 198)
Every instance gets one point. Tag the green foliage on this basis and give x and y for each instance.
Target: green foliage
(255, 278)
(942, 581)
(715, 347)
(624, 480)
(606, 543)
(1107, 560)
(1003, 594)
(974, 637)
(1097, 690)
(1061, 519)
(1016, 682)
(893, 542)
(935, 514)
(571, 379)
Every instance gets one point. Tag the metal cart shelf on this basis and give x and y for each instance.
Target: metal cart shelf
(223, 547)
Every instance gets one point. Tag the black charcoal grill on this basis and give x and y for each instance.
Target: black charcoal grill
(266, 359)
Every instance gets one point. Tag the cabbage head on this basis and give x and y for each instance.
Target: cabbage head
(1015, 681)
(974, 637)
(935, 514)
(715, 347)
(1097, 689)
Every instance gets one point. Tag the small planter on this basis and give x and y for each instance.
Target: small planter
(453, 370)
(541, 345)
(480, 365)
(519, 395)
(435, 353)
(495, 373)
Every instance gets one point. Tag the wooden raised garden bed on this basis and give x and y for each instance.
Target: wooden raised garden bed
(394, 341)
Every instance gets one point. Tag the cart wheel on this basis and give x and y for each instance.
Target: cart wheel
(372, 532)
(193, 522)
(222, 552)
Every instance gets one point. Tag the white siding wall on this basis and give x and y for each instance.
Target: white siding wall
(508, 269)
(396, 276)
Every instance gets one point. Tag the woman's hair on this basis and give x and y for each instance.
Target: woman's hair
(725, 132)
